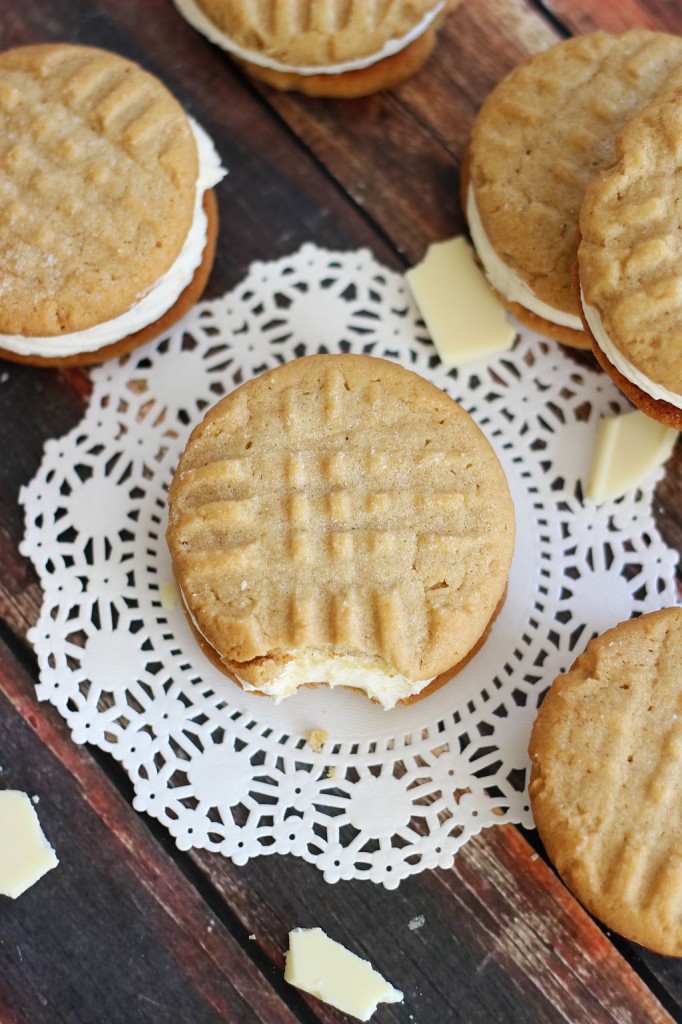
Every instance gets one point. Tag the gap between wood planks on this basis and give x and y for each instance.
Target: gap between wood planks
(557, 24)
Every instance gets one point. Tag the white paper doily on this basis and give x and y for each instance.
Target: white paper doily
(392, 792)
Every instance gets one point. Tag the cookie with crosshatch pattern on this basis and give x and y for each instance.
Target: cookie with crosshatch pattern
(629, 261)
(108, 221)
(541, 135)
(606, 780)
(340, 520)
(336, 48)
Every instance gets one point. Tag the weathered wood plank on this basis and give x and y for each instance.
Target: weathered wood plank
(584, 16)
(502, 938)
(115, 933)
(34, 406)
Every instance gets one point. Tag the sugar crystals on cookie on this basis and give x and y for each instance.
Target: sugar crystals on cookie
(107, 215)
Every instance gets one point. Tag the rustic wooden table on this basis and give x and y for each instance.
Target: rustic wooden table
(128, 928)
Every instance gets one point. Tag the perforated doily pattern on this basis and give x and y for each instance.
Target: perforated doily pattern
(390, 793)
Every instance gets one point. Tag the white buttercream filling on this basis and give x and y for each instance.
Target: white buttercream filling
(622, 364)
(368, 674)
(196, 17)
(505, 280)
(159, 299)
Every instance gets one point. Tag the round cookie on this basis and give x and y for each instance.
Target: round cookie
(629, 261)
(340, 520)
(331, 48)
(109, 229)
(539, 138)
(606, 780)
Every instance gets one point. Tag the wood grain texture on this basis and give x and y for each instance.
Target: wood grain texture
(34, 405)
(578, 16)
(502, 939)
(115, 933)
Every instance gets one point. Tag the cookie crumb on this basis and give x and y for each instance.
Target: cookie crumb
(316, 739)
(416, 922)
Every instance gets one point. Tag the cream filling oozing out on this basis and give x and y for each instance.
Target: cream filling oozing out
(623, 365)
(331, 670)
(505, 280)
(366, 674)
(159, 299)
(196, 17)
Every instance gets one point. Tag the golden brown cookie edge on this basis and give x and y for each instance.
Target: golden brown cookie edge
(182, 305)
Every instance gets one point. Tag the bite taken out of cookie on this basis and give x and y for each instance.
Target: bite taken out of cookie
(340, 521)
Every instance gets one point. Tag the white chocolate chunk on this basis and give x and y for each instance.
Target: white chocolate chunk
(465, 318)
(628, 449)
(326, 969)
(25, 854)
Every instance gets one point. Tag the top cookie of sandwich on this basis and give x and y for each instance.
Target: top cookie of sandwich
(311, 33)
(606, 783)
(98, 167)
(548, 128)
(631, 248)
(340, 504)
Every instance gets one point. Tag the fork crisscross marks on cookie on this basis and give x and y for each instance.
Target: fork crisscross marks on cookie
(544, 132)
(341, 502)
(303, 32)
(630, 250)
(607, 778)
(97, 181)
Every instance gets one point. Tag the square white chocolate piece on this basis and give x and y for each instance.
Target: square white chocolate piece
(464, 316)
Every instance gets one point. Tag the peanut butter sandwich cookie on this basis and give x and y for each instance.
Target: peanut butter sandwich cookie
(630, 261)
(338, 48)
(340, 521)
(606, 781)
(107, 221)
(539, 138)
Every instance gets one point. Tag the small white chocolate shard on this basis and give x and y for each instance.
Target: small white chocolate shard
(326, 969)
